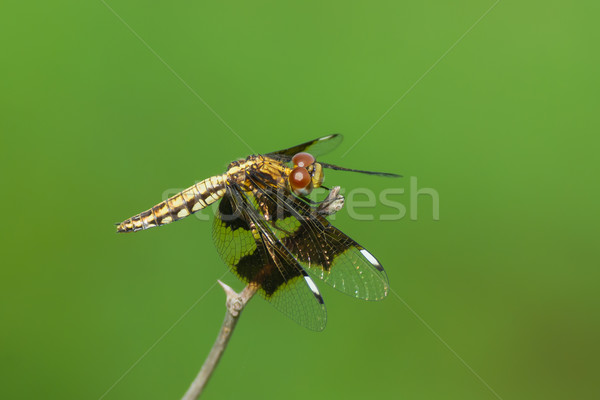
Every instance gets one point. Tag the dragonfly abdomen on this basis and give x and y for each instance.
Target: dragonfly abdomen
(184, 203)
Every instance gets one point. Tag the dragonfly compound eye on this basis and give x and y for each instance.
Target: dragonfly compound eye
(300, 179)
(303, 160)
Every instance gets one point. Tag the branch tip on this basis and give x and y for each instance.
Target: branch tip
(235, 303)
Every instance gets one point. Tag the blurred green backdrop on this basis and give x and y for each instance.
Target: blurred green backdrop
(94, 127)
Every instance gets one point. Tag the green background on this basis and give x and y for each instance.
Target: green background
(94, 128)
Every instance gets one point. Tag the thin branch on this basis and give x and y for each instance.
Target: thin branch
(235, 304)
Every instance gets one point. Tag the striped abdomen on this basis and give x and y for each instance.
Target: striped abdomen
(179, 206)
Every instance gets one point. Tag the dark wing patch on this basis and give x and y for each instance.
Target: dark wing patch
(256, 256)
(316, 147)
(323, 250)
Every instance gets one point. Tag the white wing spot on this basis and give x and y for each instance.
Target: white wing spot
(311, 285)
(370, 257)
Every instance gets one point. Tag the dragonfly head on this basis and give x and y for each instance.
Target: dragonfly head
(306, 174)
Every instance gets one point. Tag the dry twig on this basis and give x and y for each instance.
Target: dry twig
(235, 304)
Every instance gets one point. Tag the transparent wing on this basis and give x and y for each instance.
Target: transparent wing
(322, 249)
(316, 147)
(255, 255)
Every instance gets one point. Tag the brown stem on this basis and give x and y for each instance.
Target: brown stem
(235, 304)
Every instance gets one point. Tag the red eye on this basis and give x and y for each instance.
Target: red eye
(303, 160)
(299, 178)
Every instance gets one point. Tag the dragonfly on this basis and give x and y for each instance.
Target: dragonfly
(273, 236)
